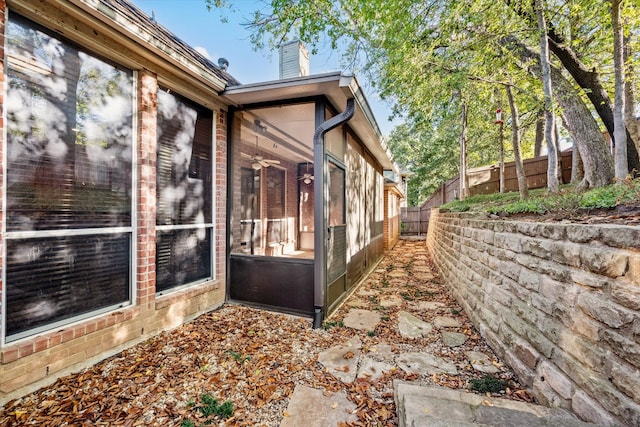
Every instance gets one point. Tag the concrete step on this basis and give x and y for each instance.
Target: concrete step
(436, 406)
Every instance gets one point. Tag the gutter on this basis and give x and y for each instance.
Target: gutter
(320, 206)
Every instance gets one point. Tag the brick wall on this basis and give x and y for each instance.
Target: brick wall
(34, 362)
(560, 303)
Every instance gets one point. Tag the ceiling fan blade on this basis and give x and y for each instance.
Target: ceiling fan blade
(273, 161)
(248, 156)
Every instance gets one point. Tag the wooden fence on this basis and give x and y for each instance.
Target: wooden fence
(483, 180)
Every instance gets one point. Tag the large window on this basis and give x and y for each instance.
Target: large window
(184, 193)
(68, 182)
(271, 196)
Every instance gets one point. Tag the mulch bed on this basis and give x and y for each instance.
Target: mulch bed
(255, 358)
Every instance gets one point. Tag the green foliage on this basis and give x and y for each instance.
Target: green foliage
(209, 408)
(428, 58)
(495, 203)
(238, 357)
(532, 205)
(407, 296)
(331, 324)
(568, 200)
(607, 197)
(488, 384)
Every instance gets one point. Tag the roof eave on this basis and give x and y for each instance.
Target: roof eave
(143, 39)
(336, 87)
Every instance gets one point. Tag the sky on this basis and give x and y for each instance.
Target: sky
(202, 29)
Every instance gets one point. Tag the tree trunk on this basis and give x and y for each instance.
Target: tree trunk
(619, 133)
(464, 177)
(577, 169)
(500, 123)
(515, 141)
(633, 127)
(537, 148)
(597, 160)
(556, 139)
(552, 152)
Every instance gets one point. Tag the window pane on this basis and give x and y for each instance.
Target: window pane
(183, 256)
(306, 183)
(69, 135)
(334, 140)
(276, 220)
(54, 279)
(250, 223)
(185, 191)
(336, 195)
(184, 162)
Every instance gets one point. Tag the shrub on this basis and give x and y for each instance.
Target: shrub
(488, 384)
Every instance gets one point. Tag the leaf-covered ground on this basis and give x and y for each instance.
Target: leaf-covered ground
(255, 358)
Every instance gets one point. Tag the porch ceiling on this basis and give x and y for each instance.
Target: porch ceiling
(336, 87)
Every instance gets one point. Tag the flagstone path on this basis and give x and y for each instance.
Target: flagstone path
(404, 320)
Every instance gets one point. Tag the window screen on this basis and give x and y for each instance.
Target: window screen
(184, 192)
(69, 168)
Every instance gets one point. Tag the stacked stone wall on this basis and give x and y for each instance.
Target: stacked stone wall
(560, 303)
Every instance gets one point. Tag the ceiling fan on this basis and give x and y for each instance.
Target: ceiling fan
(307, 177)
(258, 162)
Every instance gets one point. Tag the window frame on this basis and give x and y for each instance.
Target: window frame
(206, 225)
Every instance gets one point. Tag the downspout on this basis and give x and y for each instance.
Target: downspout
(321, 233)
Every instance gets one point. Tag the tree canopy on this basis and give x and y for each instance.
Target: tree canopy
(420, 54)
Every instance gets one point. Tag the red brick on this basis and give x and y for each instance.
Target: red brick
(55, 339)
(91, 327)
(67, 335)
(79, 331)
(10, 355)
(41, 344)
(26, 349)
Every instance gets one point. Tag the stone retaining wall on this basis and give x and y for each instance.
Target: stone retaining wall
(560, 303)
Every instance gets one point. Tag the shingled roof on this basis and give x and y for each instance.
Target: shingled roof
(162, 35)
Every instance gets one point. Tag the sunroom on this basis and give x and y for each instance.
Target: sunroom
(305, 199)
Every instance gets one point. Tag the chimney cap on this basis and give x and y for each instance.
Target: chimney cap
(223, 63)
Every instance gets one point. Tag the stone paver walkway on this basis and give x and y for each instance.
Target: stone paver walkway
(424, 333)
